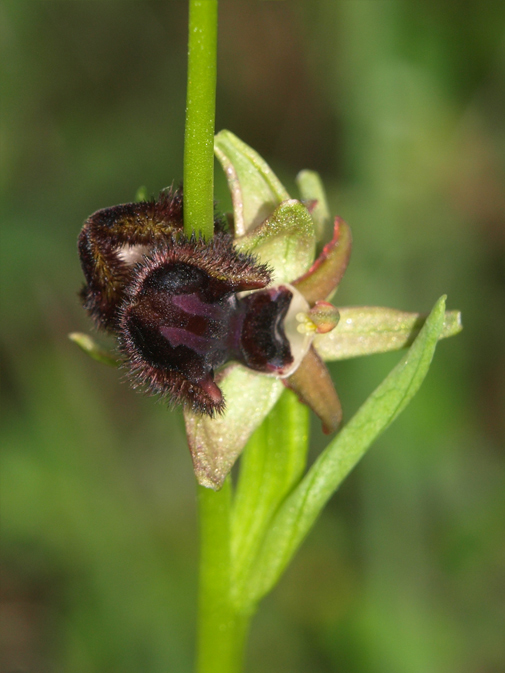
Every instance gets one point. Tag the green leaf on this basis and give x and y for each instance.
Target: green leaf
(91, 348)
(311, 190)
(285, 241)
(255, 189)
(216, 443)
(300, 510)
(364, 330)
(272, 462)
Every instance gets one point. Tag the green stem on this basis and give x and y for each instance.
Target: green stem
(222, 631)
(200, 118)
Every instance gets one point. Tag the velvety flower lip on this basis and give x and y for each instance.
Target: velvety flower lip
(182, 308)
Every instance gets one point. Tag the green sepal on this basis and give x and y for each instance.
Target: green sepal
(312, 191)
(216, 443)
(255, 189)
(285, 241)
(364, 330)
(91, 348)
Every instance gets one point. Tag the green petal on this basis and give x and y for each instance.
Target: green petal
(364, 330)
(285, 241)
(91, 348)
(324, 276)
(311, 190)
(216, 443)
(255, 189)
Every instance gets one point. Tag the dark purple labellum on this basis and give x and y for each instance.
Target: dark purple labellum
(176, 304)
(263, 342)
(182, 308)
(180, 324)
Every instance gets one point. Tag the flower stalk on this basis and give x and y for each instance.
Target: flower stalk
(200, 119)
(221, 629)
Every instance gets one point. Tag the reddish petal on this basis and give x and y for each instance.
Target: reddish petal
(313, 385)
(326, 273)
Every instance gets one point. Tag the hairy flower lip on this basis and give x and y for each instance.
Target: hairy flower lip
(228, 271)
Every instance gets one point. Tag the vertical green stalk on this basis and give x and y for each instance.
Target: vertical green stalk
(221, 631)
(200, 119)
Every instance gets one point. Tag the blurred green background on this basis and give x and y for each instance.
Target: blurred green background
(401, 107)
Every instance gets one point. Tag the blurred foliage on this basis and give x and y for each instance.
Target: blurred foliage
(400, 106)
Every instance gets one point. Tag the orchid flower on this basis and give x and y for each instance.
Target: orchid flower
(275, 237)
